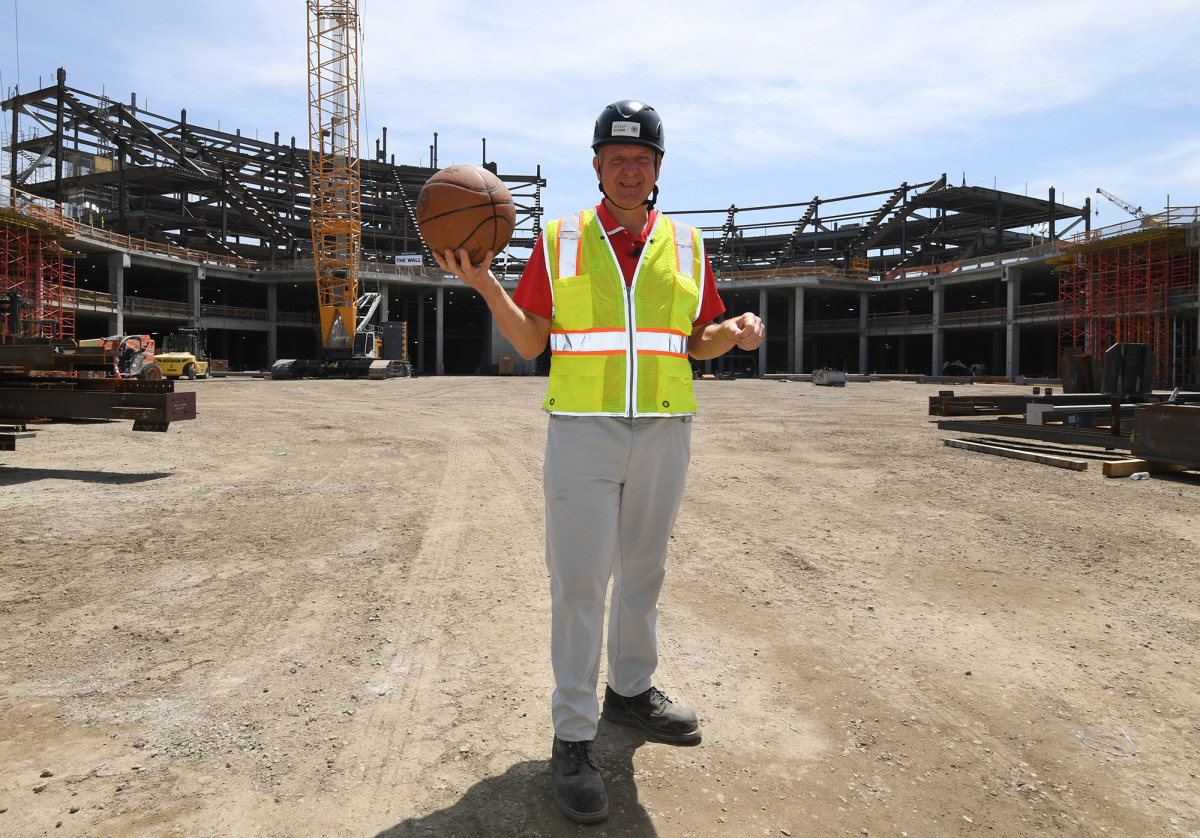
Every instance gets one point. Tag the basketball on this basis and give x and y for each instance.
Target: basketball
(466, 206)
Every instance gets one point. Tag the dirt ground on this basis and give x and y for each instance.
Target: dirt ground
(321, 609)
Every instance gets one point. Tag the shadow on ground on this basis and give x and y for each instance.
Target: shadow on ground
(521, 802)
(17, 476)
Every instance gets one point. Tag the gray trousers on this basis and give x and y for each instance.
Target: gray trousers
(613, 488)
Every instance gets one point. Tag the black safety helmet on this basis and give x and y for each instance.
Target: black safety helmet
(629, 122)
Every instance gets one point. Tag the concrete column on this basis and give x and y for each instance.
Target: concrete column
(863, 306)
(939, 337)
(762, 347)
(798, 331)
(496, 343)
(1011, 276)
(421, 334)
(117, 263)
(272, 323)
(441, 331)
(194, 285)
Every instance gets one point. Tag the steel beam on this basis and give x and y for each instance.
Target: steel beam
(1168, 433)
(996, 427)
(152, 405)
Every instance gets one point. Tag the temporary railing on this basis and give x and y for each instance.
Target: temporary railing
(50, 212)
(1169, 217)
(782, 273)
(975, 316)
(234, 312)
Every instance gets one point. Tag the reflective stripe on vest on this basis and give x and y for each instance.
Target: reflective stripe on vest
(615, 341)
(687, 246)
(569, 245)
(683, 250)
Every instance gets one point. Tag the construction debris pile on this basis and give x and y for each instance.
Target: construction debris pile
(1157, 428)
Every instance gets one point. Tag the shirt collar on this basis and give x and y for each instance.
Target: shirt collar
(612, 226)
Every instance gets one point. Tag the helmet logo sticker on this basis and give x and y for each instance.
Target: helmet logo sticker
(626, 129)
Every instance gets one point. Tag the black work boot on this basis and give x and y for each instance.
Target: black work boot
(661, 719)
(578, 787)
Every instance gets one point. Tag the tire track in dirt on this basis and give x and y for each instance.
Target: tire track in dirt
(454, 593)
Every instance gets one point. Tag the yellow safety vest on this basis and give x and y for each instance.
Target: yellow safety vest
(618, 350)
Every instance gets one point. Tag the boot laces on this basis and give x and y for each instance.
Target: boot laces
(656, 696)
(579, 753)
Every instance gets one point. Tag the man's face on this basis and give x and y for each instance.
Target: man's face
(627, 172)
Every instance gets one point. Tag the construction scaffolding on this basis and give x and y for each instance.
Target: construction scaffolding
(37, 279)
(1134, 284)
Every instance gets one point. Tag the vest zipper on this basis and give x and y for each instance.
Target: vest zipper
(631, 323)
(630, 329)
(631, 372)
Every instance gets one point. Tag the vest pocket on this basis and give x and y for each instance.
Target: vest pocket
(673, 393)
(573, 302)
(576, 383)
(687, 303)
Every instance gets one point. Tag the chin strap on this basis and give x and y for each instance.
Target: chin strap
(649, 202)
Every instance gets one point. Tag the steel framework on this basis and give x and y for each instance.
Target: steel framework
(882, 234)
(126, 170)
(175, 183)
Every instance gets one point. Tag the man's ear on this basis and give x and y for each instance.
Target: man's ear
(596, 165)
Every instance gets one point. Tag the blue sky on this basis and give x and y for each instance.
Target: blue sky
(764, 101)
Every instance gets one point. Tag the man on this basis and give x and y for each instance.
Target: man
(624, 295)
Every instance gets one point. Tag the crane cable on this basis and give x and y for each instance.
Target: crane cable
(361, 74)
(17, 56)
(17, 42)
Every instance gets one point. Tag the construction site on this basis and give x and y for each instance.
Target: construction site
(118, 222)
(271, 482)
(170, 224)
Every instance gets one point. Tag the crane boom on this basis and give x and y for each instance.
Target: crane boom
(1136, 212)
(333, 34)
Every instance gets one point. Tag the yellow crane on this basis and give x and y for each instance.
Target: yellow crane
(351, 345)
(333, 34)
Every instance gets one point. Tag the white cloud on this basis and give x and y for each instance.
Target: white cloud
(765, 101)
